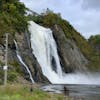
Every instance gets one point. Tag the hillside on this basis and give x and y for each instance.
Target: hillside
(14, 21)
(95, 42)
(88, 51)
(12, 16)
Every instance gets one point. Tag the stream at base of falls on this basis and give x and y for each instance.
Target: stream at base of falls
(79, 92)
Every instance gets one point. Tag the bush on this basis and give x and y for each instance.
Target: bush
(12, 76)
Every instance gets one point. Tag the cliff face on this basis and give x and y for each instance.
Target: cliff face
(74, 51)
(70, 55)
(71, 58)
(16, 71)
(23, 41)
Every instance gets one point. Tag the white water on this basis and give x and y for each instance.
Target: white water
(44, 48)
(22, 62)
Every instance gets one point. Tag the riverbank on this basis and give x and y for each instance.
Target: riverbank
(27, 92)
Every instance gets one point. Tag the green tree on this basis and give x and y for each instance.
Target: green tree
(12, 16)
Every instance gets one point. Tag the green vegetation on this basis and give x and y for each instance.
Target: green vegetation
(12, 17)
(13, 72)
(12, 20)
(16, 67)
(37, 19)
(95, 40)
(19, 92)
(12, 76)
(95, 43)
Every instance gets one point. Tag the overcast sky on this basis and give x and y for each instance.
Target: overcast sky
(84, 15)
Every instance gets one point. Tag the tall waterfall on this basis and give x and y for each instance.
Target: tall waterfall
(45, 50)
(22, 62)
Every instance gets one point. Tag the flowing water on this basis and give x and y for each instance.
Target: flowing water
(22, 62)
(79, 92)
(45, 50)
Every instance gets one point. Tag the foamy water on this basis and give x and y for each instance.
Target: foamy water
(45, 49)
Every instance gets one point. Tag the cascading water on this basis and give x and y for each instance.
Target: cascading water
(22, 62)
(45, 50)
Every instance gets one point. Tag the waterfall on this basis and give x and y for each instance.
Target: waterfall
(22, 62)
(45, 50)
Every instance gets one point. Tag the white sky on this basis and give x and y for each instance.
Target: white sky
(84, 15)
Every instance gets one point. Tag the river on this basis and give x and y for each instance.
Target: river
(85, 92)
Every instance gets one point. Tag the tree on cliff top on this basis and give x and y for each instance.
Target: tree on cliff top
(12, 16)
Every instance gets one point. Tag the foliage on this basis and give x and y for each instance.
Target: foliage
(12, 16)
(17, 67)
(13, 72)
(19, 92)
(12, 20)
(94, 39)
(37, 19)
(12, 76)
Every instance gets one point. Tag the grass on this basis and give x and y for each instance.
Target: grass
(22, 92)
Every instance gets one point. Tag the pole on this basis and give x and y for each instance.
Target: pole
(6, 61)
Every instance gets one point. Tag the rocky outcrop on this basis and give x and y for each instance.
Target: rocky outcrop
(71, 57)
(23, 41)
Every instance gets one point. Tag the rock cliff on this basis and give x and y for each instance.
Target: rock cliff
(70, 55)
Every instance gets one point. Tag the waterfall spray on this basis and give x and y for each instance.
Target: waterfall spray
(45, 50)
